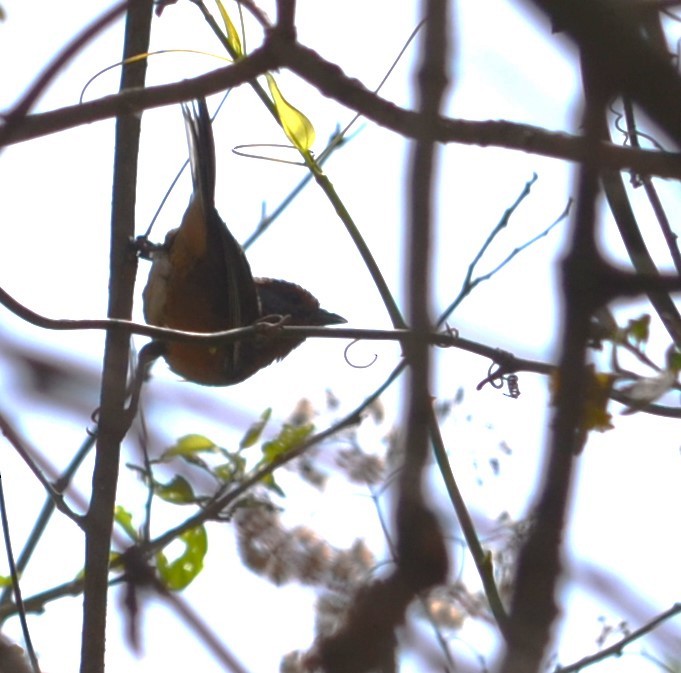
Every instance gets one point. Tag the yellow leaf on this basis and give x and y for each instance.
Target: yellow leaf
(189, 445)
(297, 127)
(232, 34)
(595, 403)
(599, 387)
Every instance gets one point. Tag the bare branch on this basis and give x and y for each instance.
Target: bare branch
(616, 648)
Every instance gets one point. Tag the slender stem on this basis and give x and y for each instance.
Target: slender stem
(14, 574)
(113, 422)
(616, 648)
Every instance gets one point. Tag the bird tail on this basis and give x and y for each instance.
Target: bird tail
(201, 150)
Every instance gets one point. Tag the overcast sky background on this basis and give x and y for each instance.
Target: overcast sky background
(54, 258)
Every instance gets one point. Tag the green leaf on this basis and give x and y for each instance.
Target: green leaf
(231, 471)
(179, 573)
(232, 34)
(178, 491)
(297, 127)
(255, 431)
(5, 581)
(188, 446)
(124, 519)
(639, 330)
(674, 360)
(269, 482)
(290, 437)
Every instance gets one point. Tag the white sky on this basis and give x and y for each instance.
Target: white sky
(54, 253)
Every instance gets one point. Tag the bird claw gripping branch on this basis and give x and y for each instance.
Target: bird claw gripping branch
(200, 281)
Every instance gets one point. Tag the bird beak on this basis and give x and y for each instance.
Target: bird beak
(327, 318)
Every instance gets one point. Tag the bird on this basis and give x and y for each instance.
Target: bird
(201, 281)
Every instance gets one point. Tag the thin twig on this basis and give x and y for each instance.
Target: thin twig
(4, 520)
(40, 525)
(616, 648)
(469, 283)
(17, 115)
(54, 495)
(481, 558)
(655, 202)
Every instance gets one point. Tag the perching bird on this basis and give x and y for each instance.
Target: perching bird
(200, 281)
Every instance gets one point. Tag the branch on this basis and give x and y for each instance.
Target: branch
(506, 362)
(54, 493)
(222, 501)
(653, 197)
(136, 100)
(332, 82)
(627, 224)
(442, 339)
(18, 114)
(622, 56)
(616, 648)
(113, 424)
(534, 605)
(481, 558)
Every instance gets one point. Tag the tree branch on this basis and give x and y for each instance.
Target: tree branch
(332, 82)
(113, 423)
(616, 648)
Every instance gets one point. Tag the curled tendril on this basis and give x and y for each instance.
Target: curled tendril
(352, 364)
(620, 125)
(497, 377)
(513, 387)
(618, 122)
